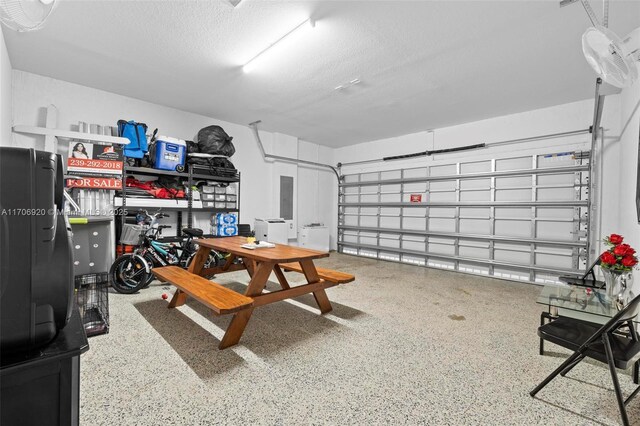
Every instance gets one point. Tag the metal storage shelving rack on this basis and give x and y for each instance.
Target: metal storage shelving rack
(193, 173)
(504, 218)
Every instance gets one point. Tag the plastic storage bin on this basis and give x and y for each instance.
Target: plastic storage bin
(170, 154)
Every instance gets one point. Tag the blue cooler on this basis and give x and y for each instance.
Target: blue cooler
(170, 153)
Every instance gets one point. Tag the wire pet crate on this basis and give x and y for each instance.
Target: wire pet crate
(92, 298)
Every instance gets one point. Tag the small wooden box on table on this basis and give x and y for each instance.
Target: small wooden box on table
(259, 264)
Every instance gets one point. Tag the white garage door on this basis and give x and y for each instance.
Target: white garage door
(522, 218)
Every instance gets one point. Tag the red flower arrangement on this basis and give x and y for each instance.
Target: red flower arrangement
(619, 257)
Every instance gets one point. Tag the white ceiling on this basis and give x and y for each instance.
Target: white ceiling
(423, 64)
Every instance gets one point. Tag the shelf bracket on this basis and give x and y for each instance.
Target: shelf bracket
(51, 123)
(50, 133)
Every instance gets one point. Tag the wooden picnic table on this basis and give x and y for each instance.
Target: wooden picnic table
(259, 263)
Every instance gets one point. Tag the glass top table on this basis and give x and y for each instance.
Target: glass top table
(579, 299)
(586, 303)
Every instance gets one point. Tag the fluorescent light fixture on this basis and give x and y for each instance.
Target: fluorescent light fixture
(295, 32)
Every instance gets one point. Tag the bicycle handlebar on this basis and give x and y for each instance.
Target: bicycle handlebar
(157, 215)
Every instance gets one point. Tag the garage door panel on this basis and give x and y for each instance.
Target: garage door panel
(442, 225)
(481, 195)
(471, 226)
(475, 252)
(415, 223)
(555, 231)
(520, 238)
(513, 228)
(392, 222)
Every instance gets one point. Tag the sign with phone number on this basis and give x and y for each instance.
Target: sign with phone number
(94, 166)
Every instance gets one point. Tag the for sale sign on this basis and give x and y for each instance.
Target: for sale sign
(416, 198)
(95, 183)
(85, 157)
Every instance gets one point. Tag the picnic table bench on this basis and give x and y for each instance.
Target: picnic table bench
(259, 263)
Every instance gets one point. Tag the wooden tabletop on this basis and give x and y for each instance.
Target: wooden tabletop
(279, 254)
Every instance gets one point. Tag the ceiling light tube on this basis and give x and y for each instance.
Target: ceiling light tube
(307, 24)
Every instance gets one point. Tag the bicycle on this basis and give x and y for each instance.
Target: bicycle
(131, 272)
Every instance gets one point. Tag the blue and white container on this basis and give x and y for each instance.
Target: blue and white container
(226, 219)
(226, 230)
(170, 153)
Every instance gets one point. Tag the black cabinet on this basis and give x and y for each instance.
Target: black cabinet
(42, 387)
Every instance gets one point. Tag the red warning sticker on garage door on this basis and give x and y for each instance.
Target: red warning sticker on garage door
(416, 198)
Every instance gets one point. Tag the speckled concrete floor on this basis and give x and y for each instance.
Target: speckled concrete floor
(403, 345)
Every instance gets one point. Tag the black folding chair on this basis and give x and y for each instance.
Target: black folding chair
(609, 343)
(586, 280)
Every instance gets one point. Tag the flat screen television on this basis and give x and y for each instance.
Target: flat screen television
(36, 261)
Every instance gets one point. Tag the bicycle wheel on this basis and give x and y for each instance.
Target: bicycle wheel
(150, 261)
(128, 274)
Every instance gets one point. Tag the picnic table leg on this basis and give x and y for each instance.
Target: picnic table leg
(197, 264)
(236, 328)
(240, 319)
(228, 262)
(179, 298)
(311, 274)
(250, 264)
(281, 278)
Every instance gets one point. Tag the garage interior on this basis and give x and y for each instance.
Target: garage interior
(458, 169)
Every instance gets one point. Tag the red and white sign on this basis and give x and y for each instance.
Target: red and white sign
(95, 183)
(85, 157)
(94, 166)
(416, 198)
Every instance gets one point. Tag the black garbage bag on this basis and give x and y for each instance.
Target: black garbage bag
(219, 166)
(192, 147)
(170, 182)
(222, 163)
(150, 159)
(214, 140)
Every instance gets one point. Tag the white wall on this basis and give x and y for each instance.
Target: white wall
(285, 146)
(561, 118)
(5, 94)
(32, 93)
(317, 188)
(627, 165)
